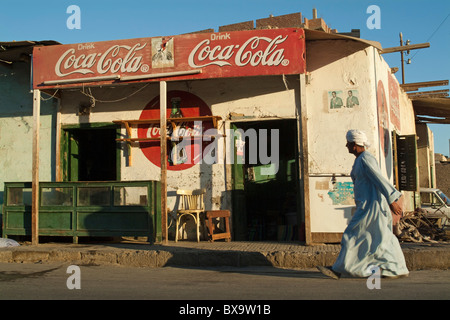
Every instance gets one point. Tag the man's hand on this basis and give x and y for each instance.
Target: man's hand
(396, 208)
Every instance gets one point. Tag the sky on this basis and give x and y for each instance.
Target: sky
(102, 20)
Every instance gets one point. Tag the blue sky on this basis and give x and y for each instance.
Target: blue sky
(419, 21)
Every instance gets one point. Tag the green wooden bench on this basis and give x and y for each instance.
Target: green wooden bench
(85, 209)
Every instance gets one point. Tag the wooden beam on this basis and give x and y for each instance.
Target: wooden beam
(433, 120)
(433, 92)
(304, 159)
(35, 169)
(163, 144)
(406, 48)
(174, 120)
(128, 129)
(436, 95)
(208, 137)
(416, 85)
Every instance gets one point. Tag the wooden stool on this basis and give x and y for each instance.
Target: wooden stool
(212, 215)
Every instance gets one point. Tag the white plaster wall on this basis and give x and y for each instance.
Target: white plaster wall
(16, 128)
(260, 98)
(327, 127)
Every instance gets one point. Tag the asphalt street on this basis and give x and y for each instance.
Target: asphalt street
(50, 281)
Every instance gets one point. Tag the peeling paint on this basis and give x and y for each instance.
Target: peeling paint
(342, 193)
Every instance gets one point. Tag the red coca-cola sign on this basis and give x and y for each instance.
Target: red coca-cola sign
(195, 56)
(183, 152)
(107, 62)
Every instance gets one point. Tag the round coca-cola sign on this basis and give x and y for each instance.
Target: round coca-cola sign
(185, 145)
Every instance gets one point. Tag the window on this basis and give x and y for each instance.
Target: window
(130, 196)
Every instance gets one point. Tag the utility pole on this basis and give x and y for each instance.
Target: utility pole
(402, 59)
(403, 48)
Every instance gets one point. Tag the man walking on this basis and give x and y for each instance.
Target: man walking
(368, 240)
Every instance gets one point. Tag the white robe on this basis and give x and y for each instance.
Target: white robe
(368, 240)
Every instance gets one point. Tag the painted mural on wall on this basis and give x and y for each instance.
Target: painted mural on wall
(394, 101)
(383, 128)
(184, 152)
(383, 119)
(343, 99)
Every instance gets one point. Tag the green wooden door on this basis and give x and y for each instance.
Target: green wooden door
(238, 192)
(74, 156)
(69, 156)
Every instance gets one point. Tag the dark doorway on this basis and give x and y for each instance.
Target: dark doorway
(90, 155)
(265, 202)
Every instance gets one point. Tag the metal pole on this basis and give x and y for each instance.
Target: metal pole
(163, 143)
(35, 169)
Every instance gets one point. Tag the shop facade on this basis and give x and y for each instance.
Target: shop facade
(257, 118)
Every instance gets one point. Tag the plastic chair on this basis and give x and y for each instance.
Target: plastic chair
(191, 203)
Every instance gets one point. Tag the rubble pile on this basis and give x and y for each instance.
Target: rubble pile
(418, 226)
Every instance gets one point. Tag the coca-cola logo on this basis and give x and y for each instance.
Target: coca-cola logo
(219, 55)
(255, 51)
(117, 58)
(182, 153)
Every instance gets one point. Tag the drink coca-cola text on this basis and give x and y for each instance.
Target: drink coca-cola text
(111, 61)
(246, 54)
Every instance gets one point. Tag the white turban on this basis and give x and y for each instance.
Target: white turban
(358, 137)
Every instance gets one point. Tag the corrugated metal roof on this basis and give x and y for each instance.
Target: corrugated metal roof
(14, 51)
(425, 108)
(312, 35)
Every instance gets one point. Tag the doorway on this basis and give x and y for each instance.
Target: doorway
(265, 197)
(90, 154)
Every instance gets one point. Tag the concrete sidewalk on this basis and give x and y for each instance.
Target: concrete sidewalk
(208, 254)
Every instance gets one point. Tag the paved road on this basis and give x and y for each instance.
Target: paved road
(49, 281)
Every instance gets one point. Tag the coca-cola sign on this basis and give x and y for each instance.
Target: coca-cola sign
(250, 52)
(225, 54)
(100, 63)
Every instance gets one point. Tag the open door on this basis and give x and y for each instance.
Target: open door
(90, 154)
(265, 196)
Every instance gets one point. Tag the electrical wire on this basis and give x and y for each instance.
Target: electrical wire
(94, 100)
(434, 32)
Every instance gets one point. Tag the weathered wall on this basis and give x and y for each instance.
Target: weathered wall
(255, 98)
(378, 110)
(395, 113)
(331, 198)
(16, 128)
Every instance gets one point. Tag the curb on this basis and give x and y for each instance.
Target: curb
(416, 258)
